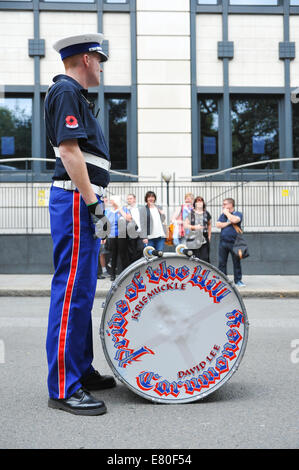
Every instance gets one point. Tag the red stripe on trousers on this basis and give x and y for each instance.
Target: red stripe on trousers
(68, 294)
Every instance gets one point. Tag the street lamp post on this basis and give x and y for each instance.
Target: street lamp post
(167, 177)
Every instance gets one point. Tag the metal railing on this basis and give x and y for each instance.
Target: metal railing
(267, 205)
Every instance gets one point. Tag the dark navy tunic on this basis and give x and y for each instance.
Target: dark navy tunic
(68, 115)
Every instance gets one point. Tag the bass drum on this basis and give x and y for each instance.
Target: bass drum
(174, 329)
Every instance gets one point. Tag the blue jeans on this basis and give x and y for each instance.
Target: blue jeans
(157, 243)
(224, 249)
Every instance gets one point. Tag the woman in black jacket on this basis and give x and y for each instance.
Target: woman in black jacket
(152, 220)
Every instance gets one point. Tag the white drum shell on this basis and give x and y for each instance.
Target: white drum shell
(175, 339)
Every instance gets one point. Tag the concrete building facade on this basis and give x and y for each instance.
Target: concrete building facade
(183, 78)
(192, 87)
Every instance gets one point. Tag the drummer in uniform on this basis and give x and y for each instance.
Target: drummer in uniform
(76, 214)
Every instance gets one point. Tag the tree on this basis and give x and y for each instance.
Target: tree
(16, 124)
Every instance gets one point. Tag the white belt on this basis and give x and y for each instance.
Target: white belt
(90, 158)
(68, 185)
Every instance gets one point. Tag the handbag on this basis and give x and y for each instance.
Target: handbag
(169, 238)
(240, 247)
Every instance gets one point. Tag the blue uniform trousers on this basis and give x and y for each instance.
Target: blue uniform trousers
(75, 252)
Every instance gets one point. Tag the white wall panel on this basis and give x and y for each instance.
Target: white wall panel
(163, 72)
(164, 120)
(116, 29)
(208, 66)
(17, 68)
(294, 37)
(163, 87)
(163, 23)
(256, 57)
(154, 167)
(54, 26)
(163, 48)
(164, 145)
(163, 5)
(164, 96)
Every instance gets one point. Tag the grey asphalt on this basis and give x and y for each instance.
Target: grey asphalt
(256, 286)
(258, 408)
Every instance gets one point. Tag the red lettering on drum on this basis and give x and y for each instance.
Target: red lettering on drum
(200, 277)
(137, 285)
(126, 356)
(167, 272)
(216, 290)
(154, 292)
(200, 366)
(118, 331)
(236, 317)
(206, 378)
(144, 380)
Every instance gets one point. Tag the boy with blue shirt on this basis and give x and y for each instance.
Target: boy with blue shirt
(228, 234)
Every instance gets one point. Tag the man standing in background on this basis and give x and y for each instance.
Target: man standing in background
(228, 234)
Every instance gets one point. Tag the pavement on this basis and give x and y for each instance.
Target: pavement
(39, 285)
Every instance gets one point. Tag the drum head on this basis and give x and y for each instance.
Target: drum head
(173, 329)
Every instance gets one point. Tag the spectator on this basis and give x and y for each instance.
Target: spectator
(179, 218)
(199, 226)
(227, 238)
(135, 244)
(104, 251)
(152, 217)
(117, 237)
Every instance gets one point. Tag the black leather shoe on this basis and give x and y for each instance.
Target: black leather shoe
(96, 381)
(80, 403)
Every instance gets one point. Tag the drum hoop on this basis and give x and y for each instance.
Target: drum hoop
(118, 282)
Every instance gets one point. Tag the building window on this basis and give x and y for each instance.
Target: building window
(294, 3)
(116, 1)
(70, 1)
(254, 2)
(209, 126)
(296, 135)
(15, 131)
(118, 132)
(255, 134)
(207, 2)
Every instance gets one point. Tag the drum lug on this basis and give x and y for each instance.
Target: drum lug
(151, 252)
(101, 333)
(114, 286)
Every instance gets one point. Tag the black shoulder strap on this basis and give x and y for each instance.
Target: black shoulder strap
(148, 220)
(192, 217)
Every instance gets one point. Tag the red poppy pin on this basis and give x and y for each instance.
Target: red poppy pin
(71, 122)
